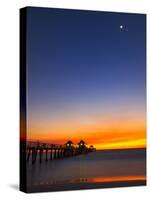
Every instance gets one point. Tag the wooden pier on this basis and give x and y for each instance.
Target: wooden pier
(46, 152)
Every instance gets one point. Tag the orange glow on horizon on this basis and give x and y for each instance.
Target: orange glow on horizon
(117, 131)
(139, 143)
(117, 143)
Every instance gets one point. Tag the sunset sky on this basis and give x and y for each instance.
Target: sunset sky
(86, 78)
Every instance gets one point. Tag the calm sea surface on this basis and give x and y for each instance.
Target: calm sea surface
(99, 166)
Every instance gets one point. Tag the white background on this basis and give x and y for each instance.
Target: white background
(9, 98)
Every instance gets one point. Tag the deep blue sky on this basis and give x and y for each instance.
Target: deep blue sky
(81, 62)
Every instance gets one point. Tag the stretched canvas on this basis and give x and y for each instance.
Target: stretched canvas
(82, 99)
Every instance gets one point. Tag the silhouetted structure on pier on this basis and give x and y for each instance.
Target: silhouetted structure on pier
(69, 144)
(52, 151)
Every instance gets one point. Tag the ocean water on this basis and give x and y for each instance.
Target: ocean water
(99, 166)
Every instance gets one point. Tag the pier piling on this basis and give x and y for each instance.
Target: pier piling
(56, 151)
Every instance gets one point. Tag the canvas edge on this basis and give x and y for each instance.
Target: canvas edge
(22, 88)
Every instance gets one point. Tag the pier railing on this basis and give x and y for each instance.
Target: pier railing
(47, 152)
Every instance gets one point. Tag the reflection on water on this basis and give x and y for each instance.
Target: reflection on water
(96, 167)
(94, 180)
(118, 178)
